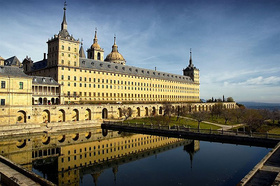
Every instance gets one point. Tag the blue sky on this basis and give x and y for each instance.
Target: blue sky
(235, 43)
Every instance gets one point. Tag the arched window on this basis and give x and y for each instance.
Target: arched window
(98, 56)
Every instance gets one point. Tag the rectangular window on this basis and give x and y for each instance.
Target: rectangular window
(68, 77)
(2, 101)
(75, 78)
(20, 85)
(62, 77)
(3, 84)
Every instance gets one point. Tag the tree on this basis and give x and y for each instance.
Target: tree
(227, 114)
(217, 109)
(199, 117)
(275, 115)
(127, 112)
(230, 99)
(253, 119)
(238, 113)
(167, 107)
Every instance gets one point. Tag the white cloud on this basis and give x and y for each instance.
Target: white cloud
(272, 80)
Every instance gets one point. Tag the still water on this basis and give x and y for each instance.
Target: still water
(213, 164)
(88, 158)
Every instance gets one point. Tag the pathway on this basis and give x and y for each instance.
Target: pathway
(224, 127)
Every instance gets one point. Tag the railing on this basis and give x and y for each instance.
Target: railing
(197, 130)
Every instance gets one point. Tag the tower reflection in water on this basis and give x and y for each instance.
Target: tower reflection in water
(64, 158)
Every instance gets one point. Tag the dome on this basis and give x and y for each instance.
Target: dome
(96, 46)
(115, 56)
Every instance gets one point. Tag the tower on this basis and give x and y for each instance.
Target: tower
(63, 49)
(192, 71)
(95, 51)
(115, 56)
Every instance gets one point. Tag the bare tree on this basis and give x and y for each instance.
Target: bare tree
(127, 112)
(199, 117)
(253, 118)
(227, 115)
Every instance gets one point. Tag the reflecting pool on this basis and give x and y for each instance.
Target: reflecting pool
(85, 157)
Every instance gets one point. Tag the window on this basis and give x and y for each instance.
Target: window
(3, 84)
(68, 77)
(2, 101)
(62, 77)
(20, 85)
(75, 78)
(69, 48)
(62, 47)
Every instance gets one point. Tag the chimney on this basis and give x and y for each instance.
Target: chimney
(44, 56)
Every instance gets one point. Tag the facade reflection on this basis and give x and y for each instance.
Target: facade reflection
(64, 158)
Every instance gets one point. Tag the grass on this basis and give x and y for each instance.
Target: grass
(174, 121)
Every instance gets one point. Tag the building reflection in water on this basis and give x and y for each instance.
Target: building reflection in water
(64, 158)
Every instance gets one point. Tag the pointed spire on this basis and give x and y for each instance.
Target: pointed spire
(190, 61)
(115, 46)
(81, 52)
(64, 23)
(95, 36)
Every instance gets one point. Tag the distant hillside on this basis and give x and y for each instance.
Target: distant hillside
(257, 105)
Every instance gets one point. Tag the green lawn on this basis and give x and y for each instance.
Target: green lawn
(174, 121)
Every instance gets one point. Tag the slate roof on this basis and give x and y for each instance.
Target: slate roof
(40, 64)
(11, 71)
(131, 70)
(43, 80)
(12, 61)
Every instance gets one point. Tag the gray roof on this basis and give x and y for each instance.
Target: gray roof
(11, 71)
(40, 64)
(81, 52)
(43, 80)
(12, 61)
(130, 70)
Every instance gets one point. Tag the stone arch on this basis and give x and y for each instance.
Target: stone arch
(138, 112)
(46, 116)
(146, 111)
(75, 137)
(129, 111)
(61, 138)
(120, 112)
(104, 113)
(88, 114)
(61, 115)
(75, 115)
(195, 108)
(21, 143)
(53, 101)
(190, 108)
(45, 101)
(21, 116)
(160, 111)
(153, 111)
(40, 101)
(199, 108)
(57, 101)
